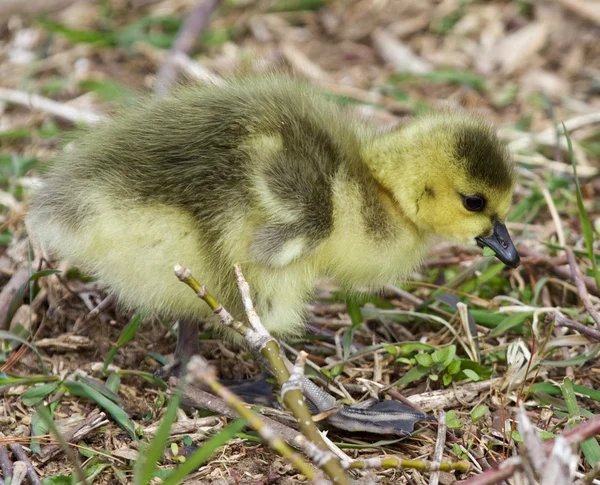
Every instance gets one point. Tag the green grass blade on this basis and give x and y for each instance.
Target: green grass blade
(83, 389)
(199, 457)
(126, 336)
(353, 308)
(586, 225)
(510, 322)
(10, 336)
(148, 460)
(590, 447)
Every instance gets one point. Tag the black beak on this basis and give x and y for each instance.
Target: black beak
(501, 244)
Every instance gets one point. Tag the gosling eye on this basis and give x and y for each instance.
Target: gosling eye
(473, 203)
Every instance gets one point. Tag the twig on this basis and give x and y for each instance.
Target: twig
(581, 289)
(508, 467)
(318, 456)
(195, 22)
(562, 321)
(438, 454)
(203, 400)
(448, 398)
(262, 344)
(104, 305)
(19, 472)
(395, 462)
(5, 465)
(89, 424)
(200, 371)
(18, 278)
(21, 456)
(47, 105)
(44, 415)
(101, 307)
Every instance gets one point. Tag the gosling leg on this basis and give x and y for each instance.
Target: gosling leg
(187, 346)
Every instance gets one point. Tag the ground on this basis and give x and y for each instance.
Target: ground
(526, 66)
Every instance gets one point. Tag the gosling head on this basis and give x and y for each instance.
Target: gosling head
(451, 175)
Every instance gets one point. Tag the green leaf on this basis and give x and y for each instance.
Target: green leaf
(144, 375)
(39, 427)
(353, 308)
(450, 357)
(579, 360)
(411, 347)
(336, 370)
(101, 388)
(454, 367)
(447, 379)
(424, 359)
(6, 380)
(391, 349)
(482, 371)
(452, 421)
(78, 36)
(120, 416)
(113, 382)
(586, 225)
(94, 470)
(487, 252)
(440, 355)
(58, 480)
(471, 374)
(130, 330)
(510, 322)
(126, 336)
(148, 460)
(35, 395)
(478, 413)
(590, 447)
(199, 457)
(553, 390)
(296, 5)
(412, 375)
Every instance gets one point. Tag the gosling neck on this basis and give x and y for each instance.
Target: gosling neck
(391, 159)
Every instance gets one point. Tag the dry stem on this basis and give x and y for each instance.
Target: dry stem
(200, 371)
(261, 343)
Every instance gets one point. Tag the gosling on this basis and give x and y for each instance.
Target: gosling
(268, 173)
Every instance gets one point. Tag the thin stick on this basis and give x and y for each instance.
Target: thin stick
(21, 456)
(5, 465)
(438, 454)
(19, 472)
(47, 105)
(262, 344)
(195, 22)
(508, 467)
(395, 462)
(204, 400)
(200, 371)
(562, 321)
(18, 278)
